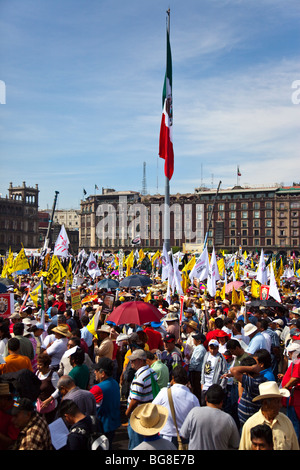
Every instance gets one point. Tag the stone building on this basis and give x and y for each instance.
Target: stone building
(265, 217)
(19, 218)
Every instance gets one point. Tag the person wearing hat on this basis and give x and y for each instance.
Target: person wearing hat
(8, 432)
(291, 381)
(171, 355)
(196, 363)
(15, 317)
(191, 327)
(213, 369)
(148, 420)
(59, 346)
(257, 340)
(107, 396)
(103, 344)
(270, 399)
(171, 321)
(140, 390)
(34, 431)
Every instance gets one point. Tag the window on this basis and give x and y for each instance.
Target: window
(269, 242)
(232, 224)
(221, 207)
(244, 206)
(232, 215)
(244, 242)
(268, 223)
(256, 242)
(268, 232)
(256, 232)
(245, 215)
(256, 214)
(268, 213)
(232, 241)
(232, 233)
(256, 205)
(232, 206)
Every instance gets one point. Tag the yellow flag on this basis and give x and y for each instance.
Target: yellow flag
(70, 272)
(185, 281)
(92, 326)
(141, 255)
(236, 269)
(222, 293)
(7, 269)
(56, 271)
(234, 297)
(242, 298)
(189, 266)
(21, 262)
(221, 266)
(255, 289)
(155, 256)
(34, 294)
(148, 297)
(129, 261)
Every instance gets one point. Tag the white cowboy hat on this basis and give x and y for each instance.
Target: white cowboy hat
(270, 389)
(249, 329)
(148, 419)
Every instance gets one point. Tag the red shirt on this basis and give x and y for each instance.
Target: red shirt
(7, 428)
(155, 340)
(293, 371)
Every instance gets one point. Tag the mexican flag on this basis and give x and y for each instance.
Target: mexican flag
(166, 127)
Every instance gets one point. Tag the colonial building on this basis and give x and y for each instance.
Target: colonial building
(19, 218)
(265, 217)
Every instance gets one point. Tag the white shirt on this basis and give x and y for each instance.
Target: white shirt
(184, 400)
(56, 350)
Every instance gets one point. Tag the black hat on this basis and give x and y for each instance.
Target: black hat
(24, 404)
(199, 336)
(105, 364)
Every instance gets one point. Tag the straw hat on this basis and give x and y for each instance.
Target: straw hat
(193, 324)
(171, 317)
(148, 419)
(270, 389)
(4, 389)
(62, 330)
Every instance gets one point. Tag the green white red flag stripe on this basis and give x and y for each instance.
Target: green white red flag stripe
(166, 128)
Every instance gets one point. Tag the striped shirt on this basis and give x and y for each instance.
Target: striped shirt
(141, 388)
(246, 406)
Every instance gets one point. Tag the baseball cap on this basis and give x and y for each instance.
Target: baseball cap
(169, 338)
(137, 354)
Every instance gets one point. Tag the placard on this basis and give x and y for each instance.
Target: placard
(6, 304)
(76, 299)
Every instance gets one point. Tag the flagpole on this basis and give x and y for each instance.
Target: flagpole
(167, 182)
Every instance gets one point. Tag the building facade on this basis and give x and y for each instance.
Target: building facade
(249, 217)
(19, 218)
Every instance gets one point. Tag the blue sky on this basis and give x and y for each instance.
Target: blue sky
(83, 82)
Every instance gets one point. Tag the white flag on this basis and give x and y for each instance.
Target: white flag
(273, 292)
(61, 247)
(92, 266)
(165, 264)
(177, 277)
(201, 267)
(212, 275)
(262, 274)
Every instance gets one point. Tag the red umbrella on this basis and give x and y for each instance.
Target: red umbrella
(234, 284)
(136, 312)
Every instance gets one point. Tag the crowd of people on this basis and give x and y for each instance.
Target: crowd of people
(210, 375)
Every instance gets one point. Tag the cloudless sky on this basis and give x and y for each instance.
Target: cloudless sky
(84, 78)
